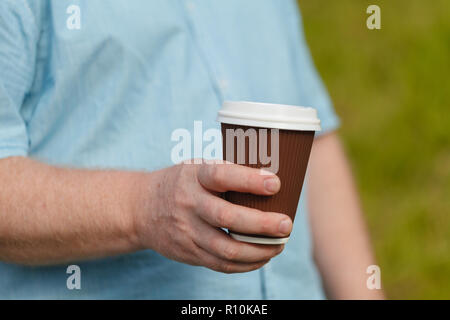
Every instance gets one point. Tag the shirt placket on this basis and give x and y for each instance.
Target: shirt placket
(219, 78)
(201, 34)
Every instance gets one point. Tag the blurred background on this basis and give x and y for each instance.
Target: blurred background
(391, 88)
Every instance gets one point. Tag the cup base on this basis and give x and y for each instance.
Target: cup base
(258, 240)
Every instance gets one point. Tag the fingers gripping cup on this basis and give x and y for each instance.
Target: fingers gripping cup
(276, 138)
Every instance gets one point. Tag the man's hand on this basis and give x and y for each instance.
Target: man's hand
(53, 215)
(183, 219)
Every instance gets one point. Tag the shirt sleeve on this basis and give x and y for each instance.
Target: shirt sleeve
(18, 39)
(313, 91)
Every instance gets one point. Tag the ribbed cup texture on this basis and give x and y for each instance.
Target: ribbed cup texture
(294, 151)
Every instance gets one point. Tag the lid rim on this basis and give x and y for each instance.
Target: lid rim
(267, 115)
(226, 114)
(270, 125)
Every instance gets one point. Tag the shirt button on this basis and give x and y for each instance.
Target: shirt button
(190, 5)
(223, 84)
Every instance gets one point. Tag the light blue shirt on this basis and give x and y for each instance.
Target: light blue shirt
(109, 95)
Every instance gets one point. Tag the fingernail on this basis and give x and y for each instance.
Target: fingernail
(272, 184)
(285, 226)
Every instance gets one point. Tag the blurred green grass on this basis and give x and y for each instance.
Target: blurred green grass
(391, 89)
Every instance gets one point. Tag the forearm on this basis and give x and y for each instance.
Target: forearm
(342, 247)
(52, 215)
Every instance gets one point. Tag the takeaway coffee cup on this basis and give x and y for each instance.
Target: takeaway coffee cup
(277, 138)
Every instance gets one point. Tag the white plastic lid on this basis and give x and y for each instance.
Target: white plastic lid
(268, 115)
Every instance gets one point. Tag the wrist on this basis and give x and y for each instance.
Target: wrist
(142, 201)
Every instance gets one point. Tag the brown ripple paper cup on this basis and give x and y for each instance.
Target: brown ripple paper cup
(274, 137)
